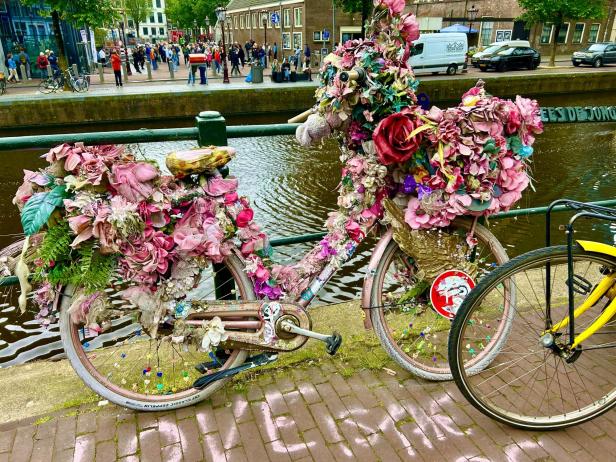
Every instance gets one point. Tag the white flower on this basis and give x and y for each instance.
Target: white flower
(214, 334)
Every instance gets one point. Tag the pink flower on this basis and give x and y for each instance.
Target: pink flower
(148, 258)
(81, 226)
(354, 231)
(133, 180)
(93, 170)
(25, 191)
(395, 6)
(219, 186)
(244, 217)
(231, 198)
(409, 28)
(392, 137)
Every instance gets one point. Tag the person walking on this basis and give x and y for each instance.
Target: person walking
(116, 65)
(102, 57)
(235, 62)
(12, 65)
(217, 60)
(53, 62)
(297, 57)
(275, 50)
(42, 63)
(137, 59)
(248, 47)
(241, 55)
(307, 56)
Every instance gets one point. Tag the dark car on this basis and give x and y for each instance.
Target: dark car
(511, 58)
(596, 55)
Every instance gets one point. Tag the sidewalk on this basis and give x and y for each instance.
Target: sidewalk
(315, 413)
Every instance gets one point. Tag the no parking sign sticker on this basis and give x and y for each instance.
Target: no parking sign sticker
(449, 290)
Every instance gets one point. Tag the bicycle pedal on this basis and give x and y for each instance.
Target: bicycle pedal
(332, 343)
(581, 285)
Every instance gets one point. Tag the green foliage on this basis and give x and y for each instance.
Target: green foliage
(556, 11)
(90, 12)
(139, 10)
(39, 208)
(61, 264)
(183, 13)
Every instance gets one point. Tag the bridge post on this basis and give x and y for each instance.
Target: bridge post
(213, 131)
(148, 67)
(101, 72)
(125, 70)
(171, 72)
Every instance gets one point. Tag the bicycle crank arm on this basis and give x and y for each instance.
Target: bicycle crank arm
(332, 342)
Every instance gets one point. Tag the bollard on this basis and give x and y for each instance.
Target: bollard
(75, 70)
(24, 76)
(171, 72)
(125, 80)
(49, 70)
(148, 66)
(101, 73)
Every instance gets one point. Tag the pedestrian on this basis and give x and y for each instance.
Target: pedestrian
(192, 70)
(275, 50)
(186, 52)
(235, 62)
(154, 57)
(12, 65)
(53, 62)
(297, 57)
(286, 69)
(217, 60)
(241, 55)
(137, 59)
(248, 47)
(42, 63)
(202, 75)
(307, 56)
(102, 57)
(24, 60)
(116, 65)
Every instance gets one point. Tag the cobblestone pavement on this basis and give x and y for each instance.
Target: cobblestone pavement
(313, 413)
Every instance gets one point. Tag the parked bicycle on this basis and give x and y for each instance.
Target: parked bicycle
(556, 366)
(54, 83)
(2, 83)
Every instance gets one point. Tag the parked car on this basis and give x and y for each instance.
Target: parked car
(595, 55)
(511, 58)
(498, 46)
(434, 53)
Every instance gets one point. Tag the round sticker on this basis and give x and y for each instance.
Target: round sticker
(449, 290)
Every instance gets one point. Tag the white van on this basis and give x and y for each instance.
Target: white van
(496, 47)
(434, 53)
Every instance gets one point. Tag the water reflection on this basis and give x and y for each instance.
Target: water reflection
(293, 189)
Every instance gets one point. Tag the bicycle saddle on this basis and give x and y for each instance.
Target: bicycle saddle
(199, 160)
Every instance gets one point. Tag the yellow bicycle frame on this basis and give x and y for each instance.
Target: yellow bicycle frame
(599, 291)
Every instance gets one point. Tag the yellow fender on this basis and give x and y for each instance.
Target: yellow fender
(598, 247)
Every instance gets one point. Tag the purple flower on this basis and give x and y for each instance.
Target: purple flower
(326, 249)
(423, 191)
(410, 185)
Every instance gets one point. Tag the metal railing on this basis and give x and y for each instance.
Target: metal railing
(211, 129)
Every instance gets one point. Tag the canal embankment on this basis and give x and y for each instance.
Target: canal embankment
(175, 104)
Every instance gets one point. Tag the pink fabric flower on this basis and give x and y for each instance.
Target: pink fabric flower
(133, 180)
(409, 28)
(392, 137)
(395, 6)
(244, 217)
(93, 170)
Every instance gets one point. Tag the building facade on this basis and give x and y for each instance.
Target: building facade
(291, 24)
(496, 20)
(155, 28)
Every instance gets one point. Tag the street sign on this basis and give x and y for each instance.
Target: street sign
(275, 18)
(325, 35)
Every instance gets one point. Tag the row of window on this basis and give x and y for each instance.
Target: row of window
(151, 31)
(255, 20)
(159, 16)
(547, 33)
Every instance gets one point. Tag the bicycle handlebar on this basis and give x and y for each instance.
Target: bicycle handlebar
(358, 74)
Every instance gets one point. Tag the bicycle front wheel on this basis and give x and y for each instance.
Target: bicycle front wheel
(131, 369)
(47, 86)
(529, 385)
(412, 332)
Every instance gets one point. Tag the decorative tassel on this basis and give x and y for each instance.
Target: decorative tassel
(23, 273)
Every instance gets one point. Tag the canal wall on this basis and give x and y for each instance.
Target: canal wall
(147, 105)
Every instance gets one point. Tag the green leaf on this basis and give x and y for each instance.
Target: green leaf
(39, 208)
(479, 206)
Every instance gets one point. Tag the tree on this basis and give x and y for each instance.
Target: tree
(183, 13)
(557, 12)
(138, 10)
(92, 13)
(357, 6)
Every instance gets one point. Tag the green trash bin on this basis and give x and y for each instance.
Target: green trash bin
(257, 74)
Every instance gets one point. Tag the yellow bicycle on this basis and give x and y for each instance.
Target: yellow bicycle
(557, 367)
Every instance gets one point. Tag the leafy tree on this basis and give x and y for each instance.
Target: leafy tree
(138, 10)
(185, 12)
(357, 6)
(557, 12)
(92, 13)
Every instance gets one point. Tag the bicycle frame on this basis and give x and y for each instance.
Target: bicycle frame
(586, 211)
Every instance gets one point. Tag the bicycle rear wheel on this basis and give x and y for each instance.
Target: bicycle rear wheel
(529, 385)
(131, 369)
(47, 86)
(410, 330)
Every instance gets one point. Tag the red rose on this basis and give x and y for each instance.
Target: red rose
(391, 137)
(244, 218)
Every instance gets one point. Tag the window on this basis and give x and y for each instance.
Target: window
(316, 36)
(153, 30)
(158, 4)
(255, 23)
(145, 31)
(286, 14)
(593, 33)
(417, 49)
(286, 41)
(131, 24)
(160, 18)
(161, 30)
(241, 21)
(151, 18)
(578, 32)
(297, 15)
(297, 40)
(563, 33)
(486, 32)
(235, 22)
(546, 34)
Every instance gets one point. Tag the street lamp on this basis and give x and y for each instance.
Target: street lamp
(207, 25)
(265, 20)
(472, 15)
(221, 14)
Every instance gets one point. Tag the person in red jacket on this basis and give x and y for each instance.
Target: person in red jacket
(116, 65)
(42, 63)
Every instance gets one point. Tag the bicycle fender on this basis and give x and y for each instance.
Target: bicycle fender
(377, 254)
(598, 247)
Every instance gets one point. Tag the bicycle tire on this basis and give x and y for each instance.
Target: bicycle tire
(384, 334)
(115, 393)
(46, 86)
(467, 384)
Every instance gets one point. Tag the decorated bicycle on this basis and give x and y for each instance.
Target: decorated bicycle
(165, 287)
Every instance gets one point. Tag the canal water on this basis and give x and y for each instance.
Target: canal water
(293, 189)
